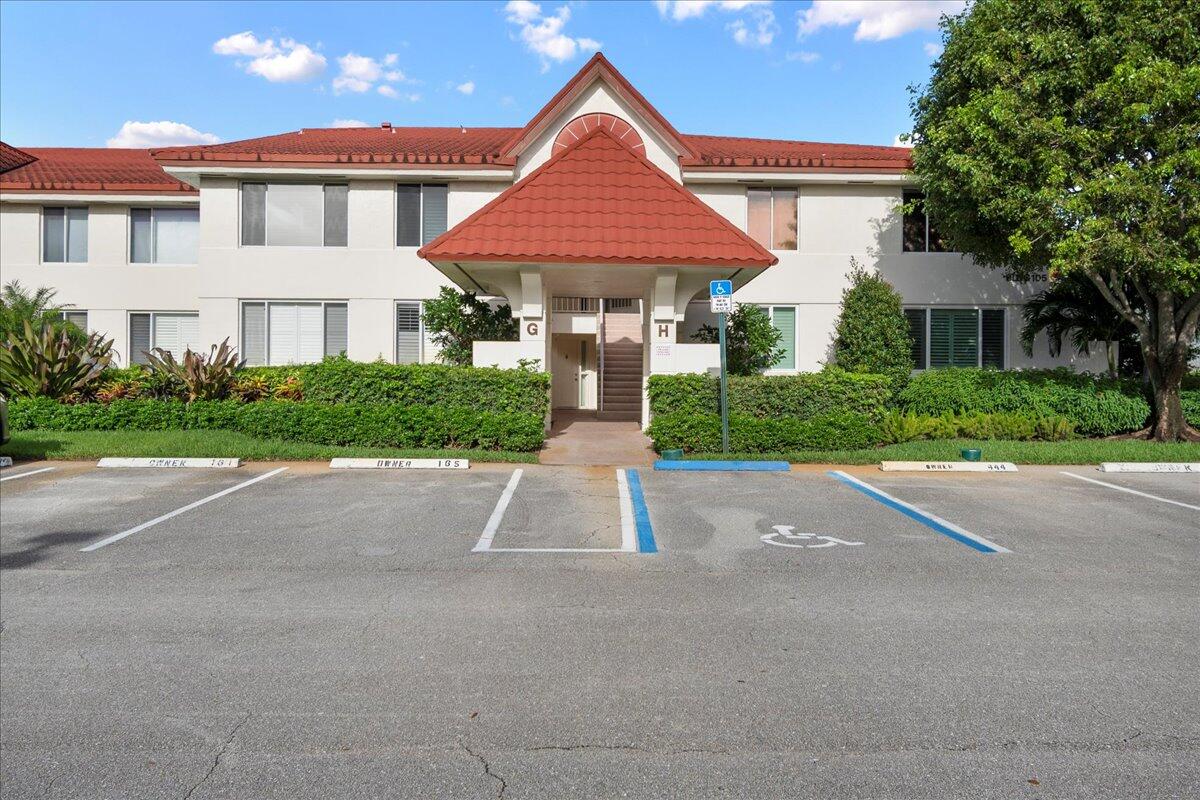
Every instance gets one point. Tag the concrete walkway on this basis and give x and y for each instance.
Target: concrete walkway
(577, 437)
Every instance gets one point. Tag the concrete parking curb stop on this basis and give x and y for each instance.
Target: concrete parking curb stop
(171, 463)
(947, 466)
(399, 463)
(1159, 466)
(5, 461)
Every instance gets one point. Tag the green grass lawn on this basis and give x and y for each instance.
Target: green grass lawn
(67, 445)
(1078, 451)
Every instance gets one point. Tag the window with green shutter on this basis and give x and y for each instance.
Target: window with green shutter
(992, 334)
(953, 337)
(916, 331)
(784, 320)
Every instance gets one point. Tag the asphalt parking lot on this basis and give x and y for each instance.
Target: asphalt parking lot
(582, 632)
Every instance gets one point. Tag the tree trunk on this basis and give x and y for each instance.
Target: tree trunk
(1166, 351)
(1110, 349)
(1168, 423)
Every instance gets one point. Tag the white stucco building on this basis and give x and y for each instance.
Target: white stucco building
(598, 221)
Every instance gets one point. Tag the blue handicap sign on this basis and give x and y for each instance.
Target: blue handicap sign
(720, 288)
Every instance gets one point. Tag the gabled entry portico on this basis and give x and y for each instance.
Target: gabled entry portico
(597, 221)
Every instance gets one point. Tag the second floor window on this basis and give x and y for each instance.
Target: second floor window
(164, 235)
(65, 235)
(420, 213)
(919, 234)
(294, 214)
(772, 219)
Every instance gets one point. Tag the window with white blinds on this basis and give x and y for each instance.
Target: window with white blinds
(278, 333)
(65, 235)
(957, 337)
(421, 213)
(77, 318)
(408, 333)
(164, 235)
(174, 332)
(294, 214)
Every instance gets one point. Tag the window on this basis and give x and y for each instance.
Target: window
(957, 337)
(919, 235)
(420, 213)
(64, 235)
(292, 333)
(784, 320)
(408, 332)
(172, 331)
(772, 217)
(164, 235)
(76, 317)
(294, 214)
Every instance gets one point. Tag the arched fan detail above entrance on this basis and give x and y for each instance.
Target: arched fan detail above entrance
(582, 125)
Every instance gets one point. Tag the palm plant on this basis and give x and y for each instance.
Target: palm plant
(50, 362)
(1073, 308)
(210, 377)
(19, 305)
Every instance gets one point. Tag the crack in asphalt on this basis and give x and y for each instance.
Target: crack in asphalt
(217, 758)
(487, 769)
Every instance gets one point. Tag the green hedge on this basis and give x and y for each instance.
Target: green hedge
(1097, 406)
(355, 424)
(502, 391)
(831, 391)
(899, 426)
(749, 434)
(339, 380)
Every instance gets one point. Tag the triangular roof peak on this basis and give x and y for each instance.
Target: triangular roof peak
(597, 68)
(598, 202)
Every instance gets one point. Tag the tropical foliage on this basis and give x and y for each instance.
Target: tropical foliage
(19, 305)
(751, 341)
(51, 362)
(456, 320)
(1063, 138)
(201, 377)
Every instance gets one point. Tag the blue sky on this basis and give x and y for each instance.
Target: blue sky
(149, 74)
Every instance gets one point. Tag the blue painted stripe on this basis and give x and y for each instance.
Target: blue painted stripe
(641, 514)
(928, 520)
(722, 466)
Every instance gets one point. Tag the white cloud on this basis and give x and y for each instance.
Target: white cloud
(876, 20)
(159, 134)
(349, 123)
(933, 49)
(759, 31)
(360, 74)
(287, 61)
(899, 142)
(803, 56)
(680, 10)
(543, 34)
(244, 44)
(467, 88)
(755, 28)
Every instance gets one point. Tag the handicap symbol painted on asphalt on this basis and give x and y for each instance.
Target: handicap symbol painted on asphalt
(784, 537)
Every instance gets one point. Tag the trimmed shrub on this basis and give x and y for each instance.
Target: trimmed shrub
(355, 424)
(749, 434)
(872, 334)
(1097, 406)
(809, 394)
(502, 391)
(899, 426)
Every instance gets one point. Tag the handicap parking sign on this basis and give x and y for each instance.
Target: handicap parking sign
(720, 288)
(720, 299)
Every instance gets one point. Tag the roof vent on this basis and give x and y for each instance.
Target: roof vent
(385, 124)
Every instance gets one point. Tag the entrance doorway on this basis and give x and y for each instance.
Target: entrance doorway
(574, 371)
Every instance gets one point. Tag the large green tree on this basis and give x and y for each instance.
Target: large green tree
(456, 320)
(1063, 137)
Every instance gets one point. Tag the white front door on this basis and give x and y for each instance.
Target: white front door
(564, 377)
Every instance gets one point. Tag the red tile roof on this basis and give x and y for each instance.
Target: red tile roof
(11, 157)
(358, 146)
(733, 151)
(598, 202)
(91, 169)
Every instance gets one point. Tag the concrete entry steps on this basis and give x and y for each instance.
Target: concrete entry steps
(622, 374)
(579, 438)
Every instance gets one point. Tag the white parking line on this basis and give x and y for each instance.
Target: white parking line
(119, 536)
(1132, 491)
(25, 474)
(493, 524)
(628, 542)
